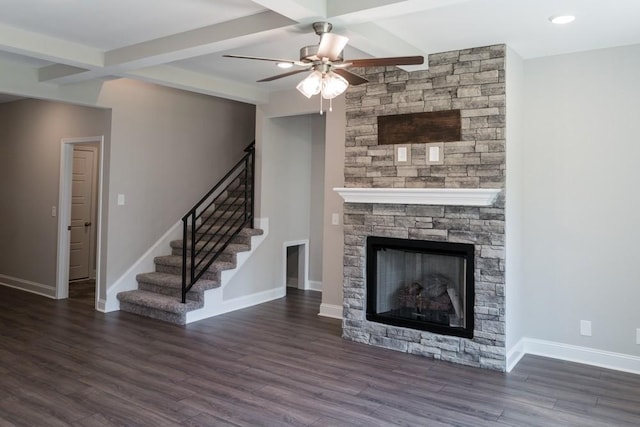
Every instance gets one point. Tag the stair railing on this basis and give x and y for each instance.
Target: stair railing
(210, 226)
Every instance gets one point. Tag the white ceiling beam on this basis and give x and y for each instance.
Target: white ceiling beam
(193, 43)
(302, 11)
(359, 11)
(57, 73)
(337, 8)
(180, 78)
(47, 48)
(172, 48)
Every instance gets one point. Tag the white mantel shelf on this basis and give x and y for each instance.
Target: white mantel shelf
(421, 196)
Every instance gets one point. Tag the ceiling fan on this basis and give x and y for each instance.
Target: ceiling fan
(329, 75)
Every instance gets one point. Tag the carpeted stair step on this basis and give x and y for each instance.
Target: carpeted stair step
(223, 217)
(172, 264)
(228, 254)
(243, 237)
(156, 306)
(171, 285)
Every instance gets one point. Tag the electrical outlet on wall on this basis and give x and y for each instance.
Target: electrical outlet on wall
(585, 328)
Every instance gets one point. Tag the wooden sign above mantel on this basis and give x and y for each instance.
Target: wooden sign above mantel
(435, 126)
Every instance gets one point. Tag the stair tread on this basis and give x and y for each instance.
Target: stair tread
(231, 247)
(157, 301)
(245, 232)
(174, 281)
(176, 261)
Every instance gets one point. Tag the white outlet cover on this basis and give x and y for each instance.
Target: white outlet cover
(335, 219)
(585, 328)
(435, 153)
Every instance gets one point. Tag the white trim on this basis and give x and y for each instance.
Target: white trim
(578, 354)
(221, 307)
(144, 264)
(214, 303)
(28, 286)
(242, 257)
(421, 196)
(330, 310)
(102, 303)
(64, 214)
(514, 355)
(315, 285)
(305, 247)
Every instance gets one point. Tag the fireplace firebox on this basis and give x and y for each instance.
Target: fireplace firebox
(421, 284)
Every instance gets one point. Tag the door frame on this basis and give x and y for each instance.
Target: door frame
(64, 213)
(304, 257)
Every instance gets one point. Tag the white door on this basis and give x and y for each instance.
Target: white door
(81, 219)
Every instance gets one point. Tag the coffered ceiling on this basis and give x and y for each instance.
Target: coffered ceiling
(180, 43)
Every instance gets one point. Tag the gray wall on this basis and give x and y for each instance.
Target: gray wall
(317, 198)
(30, 135)
(581, 198)
(514, 205)
(285, 169)
(167, 147)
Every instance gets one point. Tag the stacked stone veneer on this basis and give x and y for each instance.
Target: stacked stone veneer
(473, 81)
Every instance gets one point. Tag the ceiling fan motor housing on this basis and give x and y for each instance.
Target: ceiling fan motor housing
(310, 54)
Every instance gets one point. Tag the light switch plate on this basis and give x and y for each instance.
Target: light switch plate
(120, 199)
(402, 154)
(435, 153)
(335, 219)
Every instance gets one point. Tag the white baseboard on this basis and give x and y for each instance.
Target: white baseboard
(314, 285)
(514, 355)
(330, 310)
(28, 286)
(144, 264)
(573, 353)
(101, 305)
(220, 307)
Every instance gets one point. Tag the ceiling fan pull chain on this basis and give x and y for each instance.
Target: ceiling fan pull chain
(330, 105)
(320, 102)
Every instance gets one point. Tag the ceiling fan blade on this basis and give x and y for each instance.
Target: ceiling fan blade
(383, 62)
(259, 58)
(331, 45)
(352, 78)
(279, 76)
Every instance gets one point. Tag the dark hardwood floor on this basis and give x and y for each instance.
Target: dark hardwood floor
(275, 364)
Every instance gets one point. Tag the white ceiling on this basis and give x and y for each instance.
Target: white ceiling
(180, 43)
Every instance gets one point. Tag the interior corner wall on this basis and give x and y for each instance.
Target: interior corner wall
(514, 206)
(285, 176)
(291, 103)
(30, 141)
(581, 198)
(317, 197)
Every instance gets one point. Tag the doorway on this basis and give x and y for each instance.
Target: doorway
(296, 268)
(82, 237)
(78, 266)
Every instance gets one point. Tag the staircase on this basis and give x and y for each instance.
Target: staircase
(215, 231)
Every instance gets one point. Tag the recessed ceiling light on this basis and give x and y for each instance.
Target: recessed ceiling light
(562, 19)
(284, 64)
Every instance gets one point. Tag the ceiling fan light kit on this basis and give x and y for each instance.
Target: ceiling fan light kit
(329, 76)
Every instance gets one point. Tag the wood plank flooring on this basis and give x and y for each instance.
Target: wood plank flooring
(277, 364)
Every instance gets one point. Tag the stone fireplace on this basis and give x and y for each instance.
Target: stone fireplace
(459, 202)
